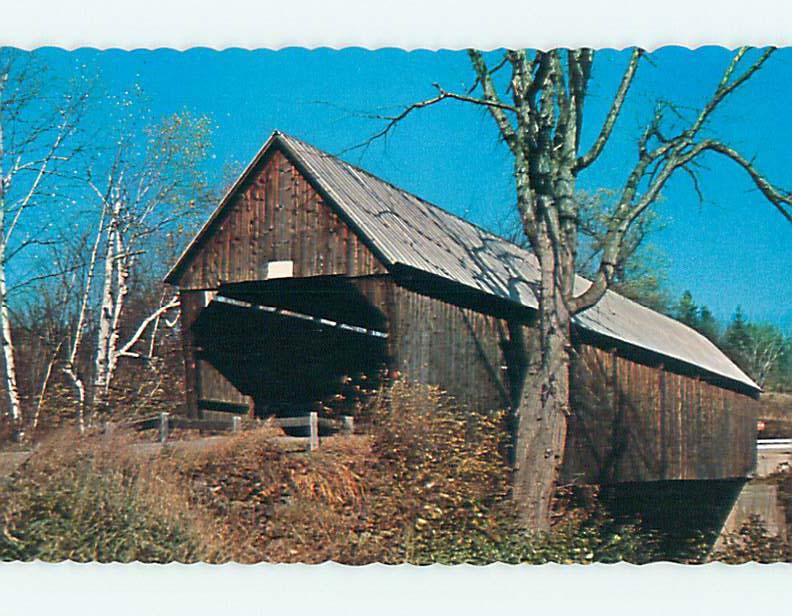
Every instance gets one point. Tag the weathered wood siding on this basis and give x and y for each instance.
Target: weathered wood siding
(633, 422)
(457, 348)
(276, 216)
(204, 385)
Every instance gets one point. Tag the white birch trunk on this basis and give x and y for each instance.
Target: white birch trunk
(14, 406)
(107, 310)
(122, 276)
(70, 369)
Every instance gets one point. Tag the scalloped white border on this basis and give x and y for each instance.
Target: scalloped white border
(661, 588)
(330, 588)
(433, 24)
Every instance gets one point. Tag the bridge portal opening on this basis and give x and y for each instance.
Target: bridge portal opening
(294, 344)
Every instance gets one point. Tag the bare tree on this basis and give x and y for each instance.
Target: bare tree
(540, 115)
(148, 192)
(37, 128)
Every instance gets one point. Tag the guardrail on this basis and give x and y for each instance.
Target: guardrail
(166, 423)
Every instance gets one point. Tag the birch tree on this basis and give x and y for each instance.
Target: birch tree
(37, 130)
(537, 101)
(152, 190)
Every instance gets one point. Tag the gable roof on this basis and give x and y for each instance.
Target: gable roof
(405, 230)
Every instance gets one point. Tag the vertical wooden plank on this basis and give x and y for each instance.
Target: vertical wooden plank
(313, 423)
(163, 427)
(348, 249)
(189, 312)
(304, 230)
(271, 208)
(663, 414)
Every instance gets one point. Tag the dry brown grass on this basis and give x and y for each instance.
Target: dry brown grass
(88, 498)
(776, 406)
(270, 504)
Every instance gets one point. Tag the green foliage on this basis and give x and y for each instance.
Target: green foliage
(583, 537)
(736, 338)
(83, 503)
(708, 324)
(698, 317)
(686, 310)
(753, 543)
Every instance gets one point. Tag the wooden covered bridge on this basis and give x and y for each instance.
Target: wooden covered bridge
(311, 270)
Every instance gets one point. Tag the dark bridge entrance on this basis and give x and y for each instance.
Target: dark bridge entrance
(292, 343)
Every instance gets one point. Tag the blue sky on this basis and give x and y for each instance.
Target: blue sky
(732, 250)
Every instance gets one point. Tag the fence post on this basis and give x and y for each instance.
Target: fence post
(163, 427)
(349, 424)
(108, 430)
(236, 424)
(313, 424)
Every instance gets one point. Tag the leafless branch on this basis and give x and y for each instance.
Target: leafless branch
(126, 350)
(443, 95)
(613, 114)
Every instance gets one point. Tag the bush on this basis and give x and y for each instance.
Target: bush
(753, 543)
(438, 481)
(438, 492)
(80, 500)
(586, 537)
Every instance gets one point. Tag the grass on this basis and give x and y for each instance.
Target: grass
(87, 499)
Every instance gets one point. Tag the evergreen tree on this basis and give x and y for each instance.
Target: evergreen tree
(686, 310)
(708, 324)
(737, 338)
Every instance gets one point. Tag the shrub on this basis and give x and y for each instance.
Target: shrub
(438, 475)
(753, 543)
(81, 500)
(438, 491)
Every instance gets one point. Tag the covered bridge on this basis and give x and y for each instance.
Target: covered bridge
(311, 270)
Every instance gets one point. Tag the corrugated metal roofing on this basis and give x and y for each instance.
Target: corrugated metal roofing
(406, 230)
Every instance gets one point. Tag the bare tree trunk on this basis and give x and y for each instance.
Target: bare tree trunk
(539, 115)
(44, 385)
(14, 405)
(70, 368)
(106, 312)
(543, 408)
(122, 276)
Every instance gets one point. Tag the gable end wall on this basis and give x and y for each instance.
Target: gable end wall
(276, 215)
